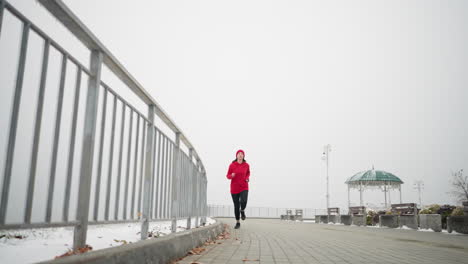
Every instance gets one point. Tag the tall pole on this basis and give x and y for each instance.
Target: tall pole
(419, 185)
(326, 153)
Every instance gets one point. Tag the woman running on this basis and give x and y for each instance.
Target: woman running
(239, 173)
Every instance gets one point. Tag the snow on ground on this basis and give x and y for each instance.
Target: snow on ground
(34, 245)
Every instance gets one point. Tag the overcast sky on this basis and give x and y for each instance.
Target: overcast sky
(383, 82)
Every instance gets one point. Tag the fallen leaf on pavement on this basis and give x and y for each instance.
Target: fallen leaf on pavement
(76, 252)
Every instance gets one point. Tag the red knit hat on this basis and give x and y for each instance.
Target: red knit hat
(240, 150)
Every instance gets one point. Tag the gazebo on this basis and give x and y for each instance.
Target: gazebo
(374, 179)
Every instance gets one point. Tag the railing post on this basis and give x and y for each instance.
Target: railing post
(175, 182)
(2, 7)
(14, 123)
(197, 195)
(203, 191)
(89, 135)
(191, 176)
(148, 173)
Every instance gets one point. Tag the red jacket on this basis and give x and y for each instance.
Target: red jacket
(240, 180)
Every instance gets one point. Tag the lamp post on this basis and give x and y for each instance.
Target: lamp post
(325, 157)
(419, 185)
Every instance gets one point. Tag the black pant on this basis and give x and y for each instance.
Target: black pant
(240, 202)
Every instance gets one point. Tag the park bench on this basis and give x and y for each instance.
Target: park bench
(333, 210)
(357, 215)
(298, 215)
(334, 214)
(357, 210)
(287, 216)
(405, 209)
(406, 213)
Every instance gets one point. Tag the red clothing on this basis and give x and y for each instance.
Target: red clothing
(240, 180)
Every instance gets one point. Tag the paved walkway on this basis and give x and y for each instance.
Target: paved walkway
(269, 241)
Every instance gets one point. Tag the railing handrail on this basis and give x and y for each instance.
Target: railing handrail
(63, 14)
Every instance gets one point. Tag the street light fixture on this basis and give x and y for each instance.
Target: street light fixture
(326, 157)
(419, 185)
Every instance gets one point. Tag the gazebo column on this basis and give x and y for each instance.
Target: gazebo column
(360, 194)
(385, 194)
(389, 196)
(349, 201)
(399, 187)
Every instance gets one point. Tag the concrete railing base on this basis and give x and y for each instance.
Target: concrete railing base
(159, 250)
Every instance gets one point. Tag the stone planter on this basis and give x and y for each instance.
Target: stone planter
(388, 221)
(334, 219)
(324, 219)
(410, 221)
(346, 219)
(431, 221)
(359, 220)
(458, 224)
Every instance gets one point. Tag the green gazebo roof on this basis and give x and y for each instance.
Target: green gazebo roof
(374, 177)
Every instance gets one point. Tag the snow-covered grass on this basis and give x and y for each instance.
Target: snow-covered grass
(34, 245)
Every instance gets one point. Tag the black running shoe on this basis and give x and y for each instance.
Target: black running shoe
(237, 226)
(242, 215)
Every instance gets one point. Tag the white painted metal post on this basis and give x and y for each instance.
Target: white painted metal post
(399, 187)
(175, 183)
(89, 135)
(360, 194)
(148, 173)
(191, 187)
(197, 195)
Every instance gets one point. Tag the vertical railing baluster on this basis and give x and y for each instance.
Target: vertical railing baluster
(58, 121)
(2, 8)
(71, 155)
(148, 173)
(166, 176)
(170, 165)
(190, 196)
(14, 123)
(119, 172)
(135, 166)
(37, 132)
(153, 173)
(203, 205)
(97, 189)
(142, 172)
(111, 160)
(197, 194)
(129, 152)
(158, 178)
(87, 156)
(175, 182)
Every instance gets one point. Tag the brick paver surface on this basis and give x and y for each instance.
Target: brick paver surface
(270, 241)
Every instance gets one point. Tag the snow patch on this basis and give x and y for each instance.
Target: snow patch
(35, 245)
(453, 233)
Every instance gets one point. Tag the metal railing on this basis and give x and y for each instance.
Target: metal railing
(119, 166)
(261, 212)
